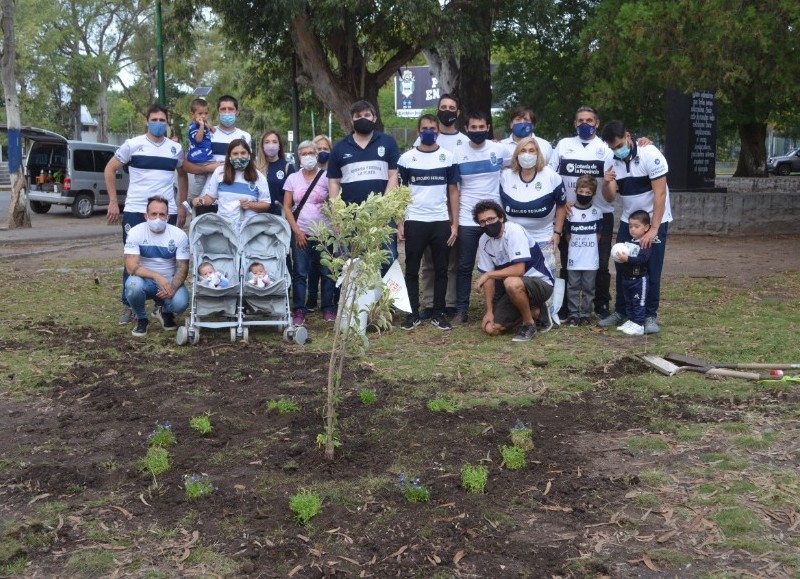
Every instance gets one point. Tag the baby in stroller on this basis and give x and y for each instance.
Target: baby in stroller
(210, 277)
(258, 276)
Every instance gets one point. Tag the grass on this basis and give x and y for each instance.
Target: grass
(474, 478)
(92, 563)
(283, 406)
(305, 505)
(201, 423)
(513, 457)
(156, 461)
(738, 521)
(442, 405)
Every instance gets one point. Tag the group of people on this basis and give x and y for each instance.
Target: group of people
(510, 206)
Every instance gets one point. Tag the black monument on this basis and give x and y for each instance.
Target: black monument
(691, 140)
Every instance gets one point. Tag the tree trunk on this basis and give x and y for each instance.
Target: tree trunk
(18, 215)
(446, 70)
(102, 114)
(753, 154)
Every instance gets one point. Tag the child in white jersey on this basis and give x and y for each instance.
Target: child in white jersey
(582, 230)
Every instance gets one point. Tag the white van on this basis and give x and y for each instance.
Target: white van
(63, 172)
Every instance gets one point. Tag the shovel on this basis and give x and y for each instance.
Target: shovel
(669, 369)
(689, 361)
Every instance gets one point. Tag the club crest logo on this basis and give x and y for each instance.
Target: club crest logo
(538, 186)
(570, 167)
(173, 150)
(279, 174)
(493, 158)
(172, 247)
(381, 151)
(442, 157)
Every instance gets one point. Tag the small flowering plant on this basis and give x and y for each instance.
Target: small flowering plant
(162, 436)
(522, 436)
(413, 490)
(197, 486)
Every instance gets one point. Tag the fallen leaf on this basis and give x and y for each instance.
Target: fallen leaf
(127, 514)
(38, 497)
(239, 487)
(331, 531)
(666, 536)
(458, 556)
(649, 562)
(295, 571)
(548, 487)
(349, 560)
(303, 538)
(399, 552)
(141, 498)
(186, 553)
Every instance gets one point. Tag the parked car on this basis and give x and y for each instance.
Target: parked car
(788, 163)
(70, 173)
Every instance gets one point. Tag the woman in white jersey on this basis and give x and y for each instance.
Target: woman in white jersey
(533, 196)
(238, 189)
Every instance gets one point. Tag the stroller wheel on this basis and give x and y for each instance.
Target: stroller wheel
(245, 334)
(300, 335)
(182, 336)
(233, 334)
(194, 335)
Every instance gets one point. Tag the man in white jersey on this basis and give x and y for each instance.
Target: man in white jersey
(152, 161)
(447, 113)
(639, 176)
(515, 281)
(479, 164)
(587, 154)
(225, 132)
(522, 125)
(157, 262)
(431, 219)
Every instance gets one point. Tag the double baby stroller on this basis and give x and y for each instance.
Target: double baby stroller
(264, 239)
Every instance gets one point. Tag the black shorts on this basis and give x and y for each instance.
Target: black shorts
(506, 313)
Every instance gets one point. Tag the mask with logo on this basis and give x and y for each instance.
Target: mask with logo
(363, 126)
(527, 160)
(622, 153)
(308, 162)
(493, 229)
(427, 136)
(227, 119)
(157, 225)
(271, 149)
(585, 131)
(240, 162)
(584, 200)
(447, 118)
(522, 130)
(477, 137)
(156, 128)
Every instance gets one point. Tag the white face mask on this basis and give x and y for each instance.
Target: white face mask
(527, 160)
(308, 162)
(156, 225)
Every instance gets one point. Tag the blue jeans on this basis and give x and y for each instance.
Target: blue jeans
(302, 262)
(467, 243)
(655, 266)
(140, 289)
(129, 220)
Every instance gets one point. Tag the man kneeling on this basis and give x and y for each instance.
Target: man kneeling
(515, 280)
(157, 260)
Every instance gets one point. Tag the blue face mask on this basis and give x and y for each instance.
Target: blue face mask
(323, 156)
(622, 153)
(427, 136)
(585, 131)
(227, 119)
(156, 128)
(522, 130)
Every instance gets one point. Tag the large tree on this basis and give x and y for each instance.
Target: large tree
(746, 52)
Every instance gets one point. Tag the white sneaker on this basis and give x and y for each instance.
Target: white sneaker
(633, 329)
(624, 326)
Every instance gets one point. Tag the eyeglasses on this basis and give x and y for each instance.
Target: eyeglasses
(488, 220)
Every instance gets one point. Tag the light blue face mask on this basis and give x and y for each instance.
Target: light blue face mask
(227, 119)
(157, 128)
(622, 153)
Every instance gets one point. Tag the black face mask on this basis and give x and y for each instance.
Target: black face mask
(493, 229)
(363, 126)
(447, 118)
(477, 137)
(584, 199)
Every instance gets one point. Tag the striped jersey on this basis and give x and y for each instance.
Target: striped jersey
(152, 171)
(158, 252)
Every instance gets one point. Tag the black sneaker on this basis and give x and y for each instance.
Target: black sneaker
(426, 314)
(166, 319)
(460, 319)
(140, 330)
(411, 322)
(602, 311)
(573, 322)
(440, 321)
(524, 333)
(311, 306)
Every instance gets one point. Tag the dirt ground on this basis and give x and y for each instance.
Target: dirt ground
(76, 447)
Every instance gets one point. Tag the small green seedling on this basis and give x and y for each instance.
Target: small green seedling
(336, 442)
(442, 405)
(367, 397)
(305, 505)
(201, 423)
(156, 461)
(283, 406)
(413, 490)
(162, 436)
(513, 457)
(474, 478)
(197, 486)
(522, 436)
